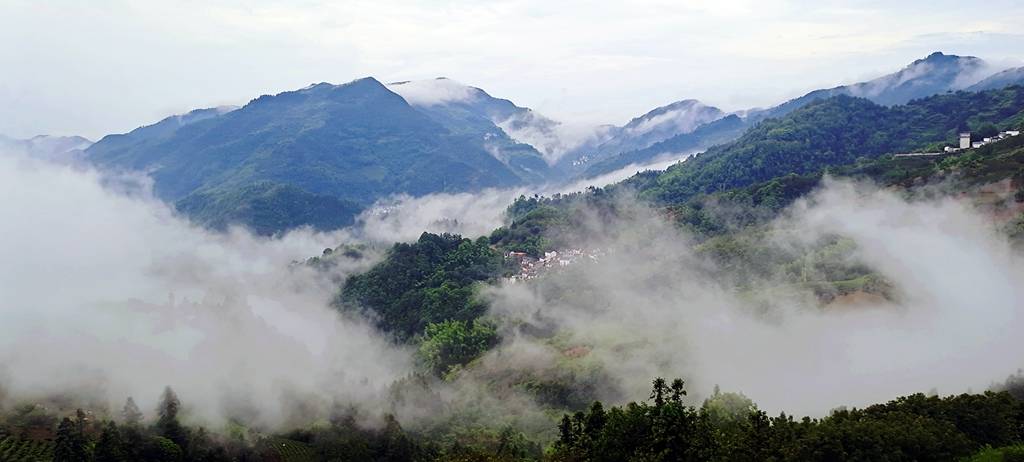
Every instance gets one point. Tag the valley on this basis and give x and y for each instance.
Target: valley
(419, 270)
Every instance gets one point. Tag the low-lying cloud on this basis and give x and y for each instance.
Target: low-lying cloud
(649, 308)
(111, 295)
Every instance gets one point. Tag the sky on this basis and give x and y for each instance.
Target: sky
(107, 66)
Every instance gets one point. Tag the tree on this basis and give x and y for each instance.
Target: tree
(658, 392)
(110, 447)
(451, 343)
(130, 413)
(70, 445)
(167, 425)
(985, 131)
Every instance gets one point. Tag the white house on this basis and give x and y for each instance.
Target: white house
(965, 140)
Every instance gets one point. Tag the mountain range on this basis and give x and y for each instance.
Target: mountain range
(937, 73)
(319, 155)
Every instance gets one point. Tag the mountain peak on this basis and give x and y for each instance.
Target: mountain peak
(939, 57)
(680, 116)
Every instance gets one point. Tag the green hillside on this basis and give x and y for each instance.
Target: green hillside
(355, 143)
(832, 132)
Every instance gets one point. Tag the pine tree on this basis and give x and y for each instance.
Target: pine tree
(110, 447)
(167, 425)
(130, 413)
(566, 437)
(70, 445)
(679, 391)
(658, 392)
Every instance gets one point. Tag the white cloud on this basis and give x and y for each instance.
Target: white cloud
(115, 295)
(649, 308)
(433, 92)
(574, 61)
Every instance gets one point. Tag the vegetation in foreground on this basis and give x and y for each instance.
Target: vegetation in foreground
(725, 427)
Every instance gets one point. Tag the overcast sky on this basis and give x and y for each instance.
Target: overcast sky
(97, 67)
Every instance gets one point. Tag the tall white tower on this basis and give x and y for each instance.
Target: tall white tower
(965, 140)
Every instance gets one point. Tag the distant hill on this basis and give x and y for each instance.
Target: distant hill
(354, 143)
(53, 148)
(678, 118)
(720, 131)
(659, 124)
(832, 132)
(1002, 79)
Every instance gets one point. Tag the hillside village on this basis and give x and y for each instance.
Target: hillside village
(532, 268)
(965, 144)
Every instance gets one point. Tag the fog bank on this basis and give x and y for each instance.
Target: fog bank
(650, 308)
(112, 295)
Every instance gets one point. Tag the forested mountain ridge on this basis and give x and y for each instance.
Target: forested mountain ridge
(830, 132)
(354, 142)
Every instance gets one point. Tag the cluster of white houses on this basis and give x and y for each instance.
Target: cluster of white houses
(965, 143)
(530, 268)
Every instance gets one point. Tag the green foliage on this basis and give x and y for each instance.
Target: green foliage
(1004, 454)
(730, 428)
(160, 449)
(539, 224)
(70, 445)
(453, 343)
(110, 447)
(430, 281)
(346, 440)
(830, 132)
(267, 208)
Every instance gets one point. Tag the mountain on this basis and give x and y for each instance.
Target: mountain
(937, 73)
(679, 146)
(471, 112)
(1002, 79)
(934, 74)
(54, 148)
(659, 124)
(355, 143)
(831, 132)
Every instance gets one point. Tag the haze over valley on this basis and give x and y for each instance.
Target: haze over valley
(424, 269)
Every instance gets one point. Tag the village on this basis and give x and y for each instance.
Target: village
(965, 144)
(532, 268)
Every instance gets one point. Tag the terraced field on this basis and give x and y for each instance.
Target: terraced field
(19, 450)
(291, 450)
